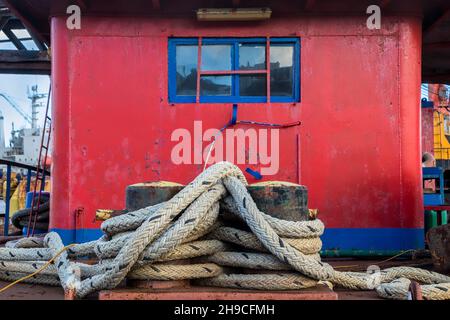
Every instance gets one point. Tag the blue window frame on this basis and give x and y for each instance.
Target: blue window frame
(234, 70)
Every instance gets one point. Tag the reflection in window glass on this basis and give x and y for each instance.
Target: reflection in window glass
(186, 58)
(216, 57)
(252, 57)
(281, 70)
(215, 86)
(253, 85)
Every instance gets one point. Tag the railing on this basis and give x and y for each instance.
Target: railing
(30, 169)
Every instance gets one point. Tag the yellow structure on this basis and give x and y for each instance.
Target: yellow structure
(438, 93)
(18, 193)
(441, 131)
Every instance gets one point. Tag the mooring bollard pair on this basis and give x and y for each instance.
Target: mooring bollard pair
(282, 200)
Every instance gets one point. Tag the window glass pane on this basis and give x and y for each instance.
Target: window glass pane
(30, 45)
(281, 70)
(216, 57)
(186, 58)
(215, 86)
(7, 46)
(252, 57)
(253, 85)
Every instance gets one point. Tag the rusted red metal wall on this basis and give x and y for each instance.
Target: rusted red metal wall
(427, 130)
(357, 150)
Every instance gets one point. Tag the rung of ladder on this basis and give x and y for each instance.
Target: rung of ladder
(39, 176)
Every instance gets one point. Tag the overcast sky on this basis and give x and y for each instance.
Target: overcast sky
(15, 86)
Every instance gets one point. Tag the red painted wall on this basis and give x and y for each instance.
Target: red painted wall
(427, 130)
(359, 142)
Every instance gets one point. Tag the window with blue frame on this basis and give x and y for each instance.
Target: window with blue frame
(234, 70)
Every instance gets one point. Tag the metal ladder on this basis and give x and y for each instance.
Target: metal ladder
(40, 170)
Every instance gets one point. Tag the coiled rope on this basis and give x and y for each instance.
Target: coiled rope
(151, 243)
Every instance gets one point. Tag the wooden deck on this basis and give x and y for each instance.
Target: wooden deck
(39, 292)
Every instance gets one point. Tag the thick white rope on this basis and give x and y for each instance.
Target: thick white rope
(138, 244)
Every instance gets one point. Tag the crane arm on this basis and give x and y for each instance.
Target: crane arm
(16, 107)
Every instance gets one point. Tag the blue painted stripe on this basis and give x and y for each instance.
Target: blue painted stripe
(334, 239)
(69, 236)
(379, 239)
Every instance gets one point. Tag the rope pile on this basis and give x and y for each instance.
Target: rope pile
(154, 243)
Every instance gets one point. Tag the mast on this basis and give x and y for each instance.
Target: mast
(34, 96)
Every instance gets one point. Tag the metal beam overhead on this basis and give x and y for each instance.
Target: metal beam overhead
(24, 62)
(309, 5)
(156, 4)
(443, 17)
(3, 22)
